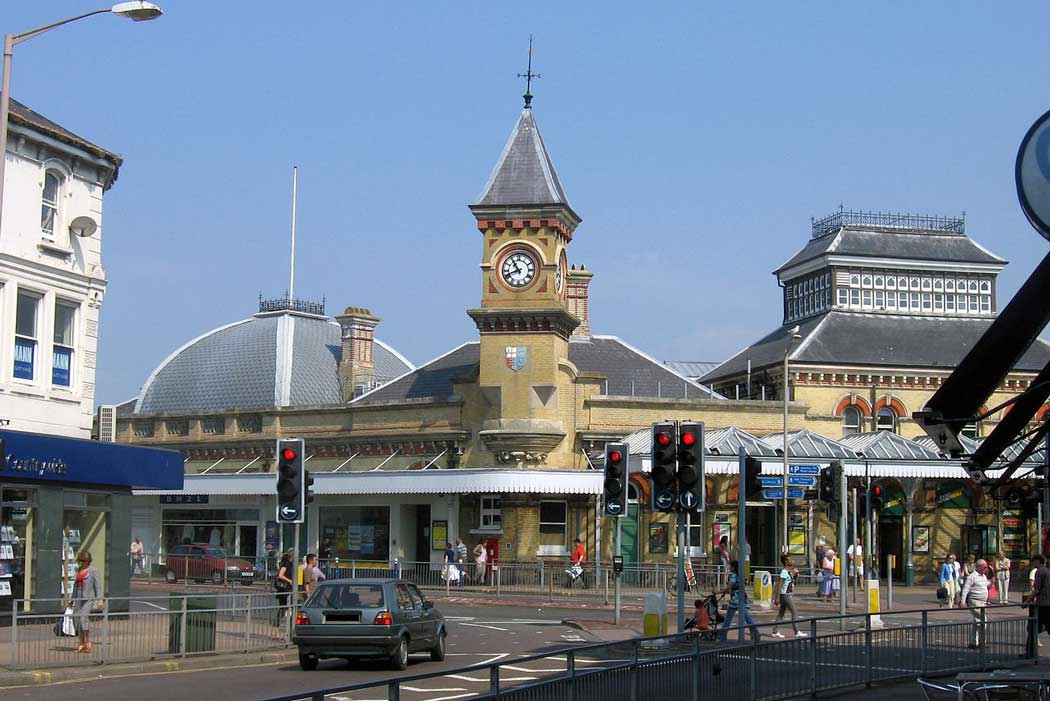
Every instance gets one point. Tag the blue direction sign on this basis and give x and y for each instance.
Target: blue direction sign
(804, 469)
(665, 499)
(771, 481)
(779, 493)
(801, 481)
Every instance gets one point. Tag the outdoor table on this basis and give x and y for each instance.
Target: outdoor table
(1006, 677)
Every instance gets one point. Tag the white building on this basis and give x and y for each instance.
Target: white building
(51, 276)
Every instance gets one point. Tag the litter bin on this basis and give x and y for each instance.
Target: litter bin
(200, 624)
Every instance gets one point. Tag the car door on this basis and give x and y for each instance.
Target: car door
(176, 561)
(428, 618)
(412, 616)
(197, 563)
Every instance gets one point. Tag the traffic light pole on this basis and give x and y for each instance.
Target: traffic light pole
(295, 579)
(843, 580)
(741, 540)
(619, 553)
(680, 518)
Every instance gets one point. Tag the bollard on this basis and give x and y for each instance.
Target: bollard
(891, 560)
(105, 628)
(182, 629)
(654, 614)
(763, 582)
(247, 622)
(873, 604)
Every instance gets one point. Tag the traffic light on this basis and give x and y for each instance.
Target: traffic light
(877, 499)
(614, 488)
(752, 485)
(291, 481)
(662, 470)
(690, 475)
(826, 489)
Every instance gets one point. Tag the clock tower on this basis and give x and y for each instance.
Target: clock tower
(524, 322)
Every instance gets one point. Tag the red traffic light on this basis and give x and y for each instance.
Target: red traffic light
(616, 456)
(688, 438)
(663, 438)
(288, 454)
(876, 490)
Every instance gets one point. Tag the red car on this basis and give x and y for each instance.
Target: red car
(206, 563)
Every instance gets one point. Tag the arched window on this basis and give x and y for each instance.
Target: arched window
(850, 420)
(49, 203)
(887, 420)
(632, 494)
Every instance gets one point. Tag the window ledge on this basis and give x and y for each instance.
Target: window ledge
(486, 531)
(563, 552)
(61, 394)
(29, 390)
(54, 249)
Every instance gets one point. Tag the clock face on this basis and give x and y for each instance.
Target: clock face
(518, 269)
(557, 280)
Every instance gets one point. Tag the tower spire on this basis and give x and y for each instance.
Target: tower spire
(528, 75)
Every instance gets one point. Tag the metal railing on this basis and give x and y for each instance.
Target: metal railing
(679, 666)
(143, 628)
(837, 220)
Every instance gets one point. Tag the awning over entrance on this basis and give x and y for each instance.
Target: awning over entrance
(469, 481)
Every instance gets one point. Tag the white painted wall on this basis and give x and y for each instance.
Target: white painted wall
(64, 267)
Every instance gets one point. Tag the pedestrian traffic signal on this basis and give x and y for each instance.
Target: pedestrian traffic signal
(614, 488)
(690, 474)
(751, 484)
(291, 481)
(662, 470)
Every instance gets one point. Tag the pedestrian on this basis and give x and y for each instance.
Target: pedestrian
(480, 558)
(306, 575)
(827, 573)
(1041, 593)
(449, 571)
(855, 555)
(578, 557)
(137, 556)
(461, 558)
(1002, 577)
(282, 587)
(723, 558)
(737, 601)
(319, 576)
(975, 595)
(324, 553)
(957, 565)
(947, 581)
(818, 566)
(87, 593)
(785, 594)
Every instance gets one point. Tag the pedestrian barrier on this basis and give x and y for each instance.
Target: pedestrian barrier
(144, 628)
(685, 667)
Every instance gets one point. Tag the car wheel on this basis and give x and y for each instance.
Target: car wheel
(308, 662)
(399, 660)
(216, 577)
(169, 576)
(437, 653)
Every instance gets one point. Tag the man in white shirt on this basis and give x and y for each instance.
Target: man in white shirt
(855, 555)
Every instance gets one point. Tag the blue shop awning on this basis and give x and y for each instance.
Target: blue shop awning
(34, 456)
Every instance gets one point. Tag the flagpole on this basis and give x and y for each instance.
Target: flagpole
(291, 272)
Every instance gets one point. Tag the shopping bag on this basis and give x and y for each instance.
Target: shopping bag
(65, 626)
(942, 593)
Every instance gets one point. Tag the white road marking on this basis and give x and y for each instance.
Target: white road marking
(480, 625)
(159, 608)
(459, 618)
(417, 688)
(454, 696)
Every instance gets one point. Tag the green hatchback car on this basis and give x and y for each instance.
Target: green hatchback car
(374, 618)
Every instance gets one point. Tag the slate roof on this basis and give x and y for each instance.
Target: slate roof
(629, 371)
(806, 444)
(21, 114)
(693, 369)
(283, 359)
(940, 246)
(524, 173)
(851, 338)
(886, 445)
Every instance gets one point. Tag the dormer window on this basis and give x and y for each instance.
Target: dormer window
(49, 203)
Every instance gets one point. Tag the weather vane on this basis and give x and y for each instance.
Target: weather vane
(528, 75)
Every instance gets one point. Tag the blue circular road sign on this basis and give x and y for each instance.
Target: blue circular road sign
(1032, 175)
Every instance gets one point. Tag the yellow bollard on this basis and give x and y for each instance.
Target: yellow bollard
(763, 590)
(873, 603)
(654, 614)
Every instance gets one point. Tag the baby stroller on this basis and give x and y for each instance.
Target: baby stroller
(707, 619)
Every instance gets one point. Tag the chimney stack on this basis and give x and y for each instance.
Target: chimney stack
(577, 291)
(357, 372)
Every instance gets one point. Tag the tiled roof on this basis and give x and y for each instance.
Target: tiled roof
(524, 173)
(21, 114)
(629, 372)
(276, 359)
(888, 446)
(848, 338)
(806, 444)
(904, 244)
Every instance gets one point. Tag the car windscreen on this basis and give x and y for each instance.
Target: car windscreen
(347, 596)
(216, 553)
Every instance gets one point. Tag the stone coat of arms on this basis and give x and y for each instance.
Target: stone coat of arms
(517, 357)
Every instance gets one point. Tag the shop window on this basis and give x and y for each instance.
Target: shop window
(850, 420)
(357, 532)
(143, 429)
(26, 335)
(16, 544)
(554, 527)
(85, 528)
(491, 512)
(887, 420)
(49, 203)
(213, 425)
(694, 527)
(65, 335)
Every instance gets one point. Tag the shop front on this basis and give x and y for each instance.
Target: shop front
(60, 497)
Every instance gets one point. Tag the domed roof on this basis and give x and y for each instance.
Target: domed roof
(275, 359)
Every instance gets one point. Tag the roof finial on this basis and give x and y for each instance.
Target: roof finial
(528, 75)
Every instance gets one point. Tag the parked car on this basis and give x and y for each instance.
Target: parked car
(206, 563)
(377, 618)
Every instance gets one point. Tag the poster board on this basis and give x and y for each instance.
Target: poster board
(438, 535)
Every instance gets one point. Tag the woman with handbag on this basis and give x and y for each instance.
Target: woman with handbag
(87, 591)
(282, 586)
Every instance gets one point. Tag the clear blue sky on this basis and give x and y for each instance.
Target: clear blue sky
(696, 143)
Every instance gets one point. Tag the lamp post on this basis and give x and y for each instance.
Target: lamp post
(794, 338)
(136, 10)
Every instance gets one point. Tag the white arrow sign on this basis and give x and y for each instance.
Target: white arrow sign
(289, 512)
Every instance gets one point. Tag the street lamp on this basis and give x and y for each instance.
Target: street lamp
(135, 10)
(792, 340)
